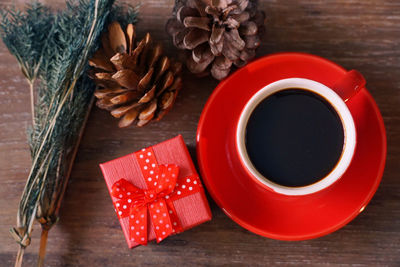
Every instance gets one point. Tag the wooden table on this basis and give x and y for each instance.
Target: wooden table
(362, 35)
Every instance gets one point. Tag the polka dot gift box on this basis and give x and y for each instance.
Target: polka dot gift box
(156, 192)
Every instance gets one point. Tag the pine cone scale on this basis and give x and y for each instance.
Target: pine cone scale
(101, 93)
(120, 61)
(195, 22)
(216, 34)
(167, 82)
(129, 117)
(117, 38)
(126, 78)
(99, 60)
(148, 96)
(157, 52)
(105, 76)
(212, 11)
(222, 63)
(199, 5)
(248, 28)
(216, 49)
(130, 33)
(104, 103)
(230, 51)
(242, 17)
(121, 111)
(234, 38)
(198, 67)
(145, 81)
(195, 37)
(163, 67)
(243, 4)
(252, 41)
(124, 97)
(176, 85)
(167, 106)
(148, 113)
(186, 11)
(231, 23)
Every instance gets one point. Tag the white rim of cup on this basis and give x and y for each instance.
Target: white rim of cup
(341, 109)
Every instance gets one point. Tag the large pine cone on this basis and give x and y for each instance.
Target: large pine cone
(218, 33)
(136, 82)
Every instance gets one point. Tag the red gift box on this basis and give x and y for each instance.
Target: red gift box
(156, 192)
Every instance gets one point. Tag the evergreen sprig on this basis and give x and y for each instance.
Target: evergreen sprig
(53, 49)
(25, 35)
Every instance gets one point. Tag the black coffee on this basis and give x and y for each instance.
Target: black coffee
(294, 137)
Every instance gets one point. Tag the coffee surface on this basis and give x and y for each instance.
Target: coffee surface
(294, 137)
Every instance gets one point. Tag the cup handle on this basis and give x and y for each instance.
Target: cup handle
(349, 85)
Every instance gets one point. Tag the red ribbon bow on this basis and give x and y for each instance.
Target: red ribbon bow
(163, 189)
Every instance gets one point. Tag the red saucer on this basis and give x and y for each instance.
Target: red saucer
(265, 212)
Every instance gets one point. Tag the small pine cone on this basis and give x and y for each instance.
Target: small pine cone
(136, 82)
(217, 33)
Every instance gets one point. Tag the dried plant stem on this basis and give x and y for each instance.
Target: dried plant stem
(20, 256)
(43, 243)
(32, 102)
(55, 66)
(46, 228)
(61, 195)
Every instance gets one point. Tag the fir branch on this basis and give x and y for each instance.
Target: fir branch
(72, 46)
(54, 49)
(25, 34)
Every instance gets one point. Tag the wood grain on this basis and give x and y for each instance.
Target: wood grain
(362, 35)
